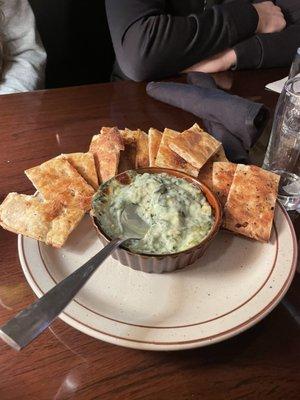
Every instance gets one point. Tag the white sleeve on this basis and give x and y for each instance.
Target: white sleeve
(24, 55)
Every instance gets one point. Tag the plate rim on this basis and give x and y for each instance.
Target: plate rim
(178, 345)
(163, 327)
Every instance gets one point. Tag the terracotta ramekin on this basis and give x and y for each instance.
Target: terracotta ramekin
(168, 262)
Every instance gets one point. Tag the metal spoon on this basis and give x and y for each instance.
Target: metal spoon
(33, 320)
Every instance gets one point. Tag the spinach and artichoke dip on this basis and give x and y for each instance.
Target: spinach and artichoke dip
(178, 214)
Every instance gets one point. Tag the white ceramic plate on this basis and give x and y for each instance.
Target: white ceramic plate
(233, 286)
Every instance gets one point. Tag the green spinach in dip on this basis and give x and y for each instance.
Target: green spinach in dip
(178, 214)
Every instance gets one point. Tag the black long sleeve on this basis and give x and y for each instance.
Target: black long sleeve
(272, 49)
(269, 50)
(150, 43)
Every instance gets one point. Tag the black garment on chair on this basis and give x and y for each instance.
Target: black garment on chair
(76, 37)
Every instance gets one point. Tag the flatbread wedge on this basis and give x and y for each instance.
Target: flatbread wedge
(58, 180)
(219, 155)
(222, 177)
(84, 163)
(106, 149)
(205, 173)
(141, 140)
(154, 143)
(105, 129)
(195, 146)
(249, 209)
(166, 158)
(49, 222)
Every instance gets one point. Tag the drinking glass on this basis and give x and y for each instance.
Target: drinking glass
(295, 67)
(282, 156)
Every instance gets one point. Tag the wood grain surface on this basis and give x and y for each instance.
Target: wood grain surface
(262, 363)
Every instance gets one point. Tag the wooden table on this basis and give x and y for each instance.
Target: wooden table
(262, 363)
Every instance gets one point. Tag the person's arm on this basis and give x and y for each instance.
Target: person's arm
(24, 55)
(248, 53)
(150, 44)
(276, 49)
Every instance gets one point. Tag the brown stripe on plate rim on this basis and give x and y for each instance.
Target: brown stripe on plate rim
(235, 330)
(175, 326)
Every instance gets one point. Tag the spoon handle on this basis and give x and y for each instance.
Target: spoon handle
(33, 320)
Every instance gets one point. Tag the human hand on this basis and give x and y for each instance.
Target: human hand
(270, 17)
(224, 80)
(219, 62)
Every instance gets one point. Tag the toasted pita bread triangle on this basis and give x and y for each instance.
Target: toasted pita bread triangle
(58, 180)
(84, 163)
(106, 149)
(105, 129)
(205, 173)
(195, 146)
(49, 222)
(250, 205)
(154, 143)
(166, 158)
(222, 177)
(219, 155)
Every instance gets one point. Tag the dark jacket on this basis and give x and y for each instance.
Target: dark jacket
(154, 39)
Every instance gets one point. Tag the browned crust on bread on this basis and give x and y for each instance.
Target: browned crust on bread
(49, 222)
(166, 158)
(222, 177)
(205, 173)
(195, 146)
(106, 149)
(249, 210)
(154, 143)
(84, 163)
(58, 180)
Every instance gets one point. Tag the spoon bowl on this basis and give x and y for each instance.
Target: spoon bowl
(133, 226)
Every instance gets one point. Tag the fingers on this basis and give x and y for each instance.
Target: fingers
(277, 9)
(271, 18)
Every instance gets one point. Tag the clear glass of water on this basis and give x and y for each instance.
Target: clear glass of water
(283, 151)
